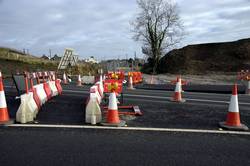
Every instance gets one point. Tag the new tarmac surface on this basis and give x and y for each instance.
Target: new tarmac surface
(54, 146)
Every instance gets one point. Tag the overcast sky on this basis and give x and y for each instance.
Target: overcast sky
(101, 28)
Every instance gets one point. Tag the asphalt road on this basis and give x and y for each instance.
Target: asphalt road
(60, 146)
(32, 146)
(200, 111)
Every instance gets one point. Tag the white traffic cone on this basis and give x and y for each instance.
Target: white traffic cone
(233, 115)
(177, 95)
(130, 84)
(79, 80)
(65, 79)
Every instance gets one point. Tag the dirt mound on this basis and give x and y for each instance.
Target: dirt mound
(204, 58)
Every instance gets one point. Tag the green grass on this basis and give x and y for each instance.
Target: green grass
(11, 63)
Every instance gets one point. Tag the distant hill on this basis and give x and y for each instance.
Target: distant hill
(12, 60)
(210, 57)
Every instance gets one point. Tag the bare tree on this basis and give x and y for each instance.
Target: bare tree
(158, 26)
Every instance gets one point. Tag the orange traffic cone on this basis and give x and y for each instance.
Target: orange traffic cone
(233, 116)
(65, 79)
(113, 115)
(79, 80)
(4, 114)
(130, 84)
(177, 95)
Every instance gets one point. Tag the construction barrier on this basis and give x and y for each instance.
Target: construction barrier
(36, 95)
(93, 112)
(244, 75)
(136, 77)
(88, 79)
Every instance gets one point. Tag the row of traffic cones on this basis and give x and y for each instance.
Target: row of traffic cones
(79, 80)
(233, 117)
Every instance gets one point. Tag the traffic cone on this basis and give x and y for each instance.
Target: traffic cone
(65, 79)
(4, 114)
(233, 115)
(177, 95)
(130, 84)
(79, 80)
(112, 118)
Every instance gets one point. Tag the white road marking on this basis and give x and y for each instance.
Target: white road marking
(202, 100)
(186, 92)
(131, 129)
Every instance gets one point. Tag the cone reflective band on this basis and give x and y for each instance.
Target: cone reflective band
(233, 115)
(3, 100)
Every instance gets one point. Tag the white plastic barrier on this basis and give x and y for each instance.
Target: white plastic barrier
(53, 88)
(27, 110)
(100, 88)
(93, 113)
(41, 93)
(88, 79)
(94, 89)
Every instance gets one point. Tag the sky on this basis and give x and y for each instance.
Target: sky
(101, 28)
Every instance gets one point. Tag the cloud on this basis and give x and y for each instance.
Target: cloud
(102, 29)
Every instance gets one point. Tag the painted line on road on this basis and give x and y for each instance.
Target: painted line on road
(186, 92)
(201, 100)
(163, 97)
(131, 129)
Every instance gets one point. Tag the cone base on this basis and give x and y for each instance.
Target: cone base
(129, 88)
(121, 124)
(9, 122)
(242, 127)
(178, 101)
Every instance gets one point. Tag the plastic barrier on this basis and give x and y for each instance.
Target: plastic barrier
(58, 86)
(88, 79)
(36, 97)
(47, 90)
(53, 88)
(94, 89)
(41, 93)
(27, 110)
(100, 88)
(93, 113)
